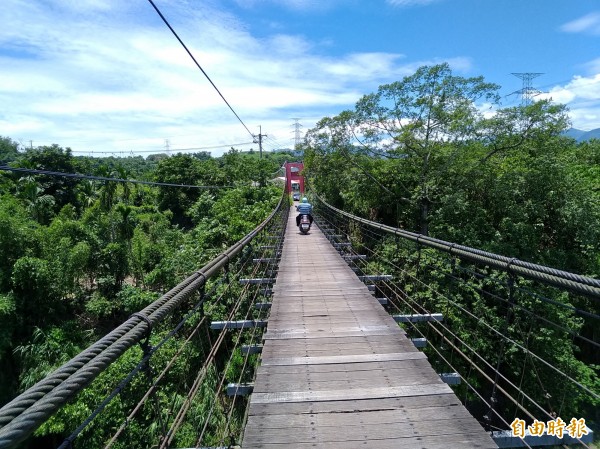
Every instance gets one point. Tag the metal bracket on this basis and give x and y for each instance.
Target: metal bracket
(415, 318)
(243, 324)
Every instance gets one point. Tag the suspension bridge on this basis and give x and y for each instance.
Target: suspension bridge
(337, 370)
(347, 337)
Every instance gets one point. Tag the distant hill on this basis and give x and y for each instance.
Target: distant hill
(581, 136)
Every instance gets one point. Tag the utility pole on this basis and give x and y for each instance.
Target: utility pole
(259, 141)
(527, 92)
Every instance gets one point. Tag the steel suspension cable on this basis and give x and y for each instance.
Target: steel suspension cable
(581, 284)
(526, 351)
(239, 333)
(198, 64)
(24, 414)
(468, 359)
(464, 310)
(178, 421)
(153, 388)
(471, 363)
(104, 178)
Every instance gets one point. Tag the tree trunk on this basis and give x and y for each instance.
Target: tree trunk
(424, 217)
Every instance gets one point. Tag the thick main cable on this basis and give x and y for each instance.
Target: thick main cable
(21, 416)
(552, 276)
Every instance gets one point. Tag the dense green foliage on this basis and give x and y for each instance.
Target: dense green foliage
(430, 162)
(79, 256)
(424, 154)
(433, 153)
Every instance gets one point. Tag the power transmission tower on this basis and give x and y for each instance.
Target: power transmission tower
(297, 136)
(168, 147)
(527, 92)
(258, 139)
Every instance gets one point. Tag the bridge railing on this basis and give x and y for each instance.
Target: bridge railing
(521, 339)
(201, 360)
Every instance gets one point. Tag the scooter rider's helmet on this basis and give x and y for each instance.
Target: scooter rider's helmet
(304, 200)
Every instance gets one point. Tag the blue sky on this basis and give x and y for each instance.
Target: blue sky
(108, 76)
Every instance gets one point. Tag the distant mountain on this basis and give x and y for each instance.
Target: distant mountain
(581, 136)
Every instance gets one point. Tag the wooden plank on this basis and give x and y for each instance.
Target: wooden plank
(411, 404)
(337, 371)
(377, 375)
(457, 441)
(357, 431)
(359, 358)
(352, 381)
(323, 333)
(348, 395)
(335, 349)
(354, 350)
(390, 416)
(371, 339)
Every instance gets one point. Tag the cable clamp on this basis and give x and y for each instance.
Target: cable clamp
(148, 329)
(201, 273)
(510, 262)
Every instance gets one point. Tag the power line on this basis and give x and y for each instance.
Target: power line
(172, 150)
(103, 178)
(198, 65)
(273, 143)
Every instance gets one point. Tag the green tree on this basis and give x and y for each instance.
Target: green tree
(8, 367)
(36, 296)
(123, 173)
(53, 158)
(46, 351)
(39, 205)
(115, 266)
(87, 193)
(16, 237)
(182, 170)
(416, 120)
(108, 188)
(9, 150)
(422, 127)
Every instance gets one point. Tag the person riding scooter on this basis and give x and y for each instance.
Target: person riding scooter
(305, 208)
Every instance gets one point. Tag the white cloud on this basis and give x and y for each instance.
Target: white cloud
(593, 66)
(297, 5)
(100, 75)
(364, 66)
(407, 3)
(582, 97)
(589, 23)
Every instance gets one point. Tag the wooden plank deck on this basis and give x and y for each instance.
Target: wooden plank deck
(337, 371)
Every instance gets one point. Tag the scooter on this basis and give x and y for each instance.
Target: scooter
(304, 224)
